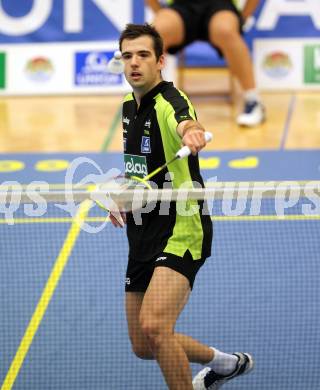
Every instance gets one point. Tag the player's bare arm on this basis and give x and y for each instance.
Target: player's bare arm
(154, 5)
(249, 8)
(192, 135)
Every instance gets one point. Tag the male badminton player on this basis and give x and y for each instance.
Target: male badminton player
(167, 249)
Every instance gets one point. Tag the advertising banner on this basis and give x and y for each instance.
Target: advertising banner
(53, 68)
(286, 19)
(66, 22)
(62, 46)
(2, 70)
(287, 63)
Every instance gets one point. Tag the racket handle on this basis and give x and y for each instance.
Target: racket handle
(185, 150)
(116, 65)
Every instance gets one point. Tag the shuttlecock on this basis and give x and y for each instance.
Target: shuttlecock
(116, 65)
(117, 54)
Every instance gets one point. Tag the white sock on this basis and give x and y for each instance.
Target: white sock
(251, 95)
(223, 363)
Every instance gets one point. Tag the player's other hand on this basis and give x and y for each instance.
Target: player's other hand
(118, 219)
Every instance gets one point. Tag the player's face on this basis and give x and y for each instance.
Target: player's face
(142, 70)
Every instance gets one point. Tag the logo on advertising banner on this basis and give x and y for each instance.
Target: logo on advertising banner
(91, 69)
(2, 70)
(39, 69)
(277, 64)
(312, 64)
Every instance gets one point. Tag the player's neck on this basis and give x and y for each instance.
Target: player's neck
(139, 93)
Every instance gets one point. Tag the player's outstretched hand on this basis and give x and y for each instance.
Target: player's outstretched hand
(194, 139)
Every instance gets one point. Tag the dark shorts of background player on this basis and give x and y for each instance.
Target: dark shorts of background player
(139, 274)
(196, 17)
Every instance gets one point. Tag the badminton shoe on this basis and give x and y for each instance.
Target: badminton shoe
(252, 115)
(210, 380)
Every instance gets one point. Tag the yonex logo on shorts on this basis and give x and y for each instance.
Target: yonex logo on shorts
(128, 281)
(161, 258)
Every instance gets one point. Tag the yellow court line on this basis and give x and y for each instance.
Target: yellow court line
(46, 296)
(252, 218)
(66, 186)
(12, 221)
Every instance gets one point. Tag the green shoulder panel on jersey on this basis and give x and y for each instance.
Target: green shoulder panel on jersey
(128, 97)
(236, 3)
(187, 232)
(171, 109)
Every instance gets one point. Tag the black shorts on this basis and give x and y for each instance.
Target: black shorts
(139, 274)
(196, 17)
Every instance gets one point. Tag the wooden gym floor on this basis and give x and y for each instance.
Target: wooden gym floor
(85, 123)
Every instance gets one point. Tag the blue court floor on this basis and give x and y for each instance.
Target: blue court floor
(62, 289)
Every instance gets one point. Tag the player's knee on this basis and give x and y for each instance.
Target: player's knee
(149, 327)
(170, 39)
(170, 26)
(155, 332)
(222, 35)
(142, 351)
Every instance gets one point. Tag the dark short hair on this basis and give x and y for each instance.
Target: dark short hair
(133, 31)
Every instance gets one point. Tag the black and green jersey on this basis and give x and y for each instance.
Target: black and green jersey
(150, 139)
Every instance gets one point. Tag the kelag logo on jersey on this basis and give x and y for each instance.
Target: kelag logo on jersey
(145, 145)
(135, 165)
(91, 69)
